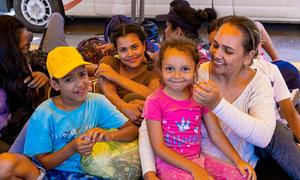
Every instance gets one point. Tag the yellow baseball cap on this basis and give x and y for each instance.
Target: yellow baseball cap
(62, 60)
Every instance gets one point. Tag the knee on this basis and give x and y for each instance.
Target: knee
(8, 163)
(282, 134)
(56, 16)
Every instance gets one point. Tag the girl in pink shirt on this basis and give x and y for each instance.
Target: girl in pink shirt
(173, 121)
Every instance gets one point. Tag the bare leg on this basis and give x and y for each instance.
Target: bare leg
(17, 166)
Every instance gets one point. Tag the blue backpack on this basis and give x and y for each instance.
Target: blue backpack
(114, 21)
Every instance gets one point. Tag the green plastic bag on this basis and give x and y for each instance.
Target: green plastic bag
(113, 160)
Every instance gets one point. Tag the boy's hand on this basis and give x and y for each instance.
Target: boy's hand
(82, 145)
(246, 170)
(98, 135)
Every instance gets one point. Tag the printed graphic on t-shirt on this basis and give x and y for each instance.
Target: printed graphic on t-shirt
(181, 130)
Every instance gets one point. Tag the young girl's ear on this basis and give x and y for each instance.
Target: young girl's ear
(54, 84)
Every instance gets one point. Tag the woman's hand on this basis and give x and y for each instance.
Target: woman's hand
(207, 94)
(106, 71)
(246, 170)
(36, 80)
(133, 112)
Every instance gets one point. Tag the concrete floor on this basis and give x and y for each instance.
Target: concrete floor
(286, 37)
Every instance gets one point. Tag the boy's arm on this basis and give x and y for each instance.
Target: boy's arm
(220, 140)
(77, 145)
(127, 132)
(167, 154)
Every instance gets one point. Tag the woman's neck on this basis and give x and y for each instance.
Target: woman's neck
(229, 78)
(131, 72)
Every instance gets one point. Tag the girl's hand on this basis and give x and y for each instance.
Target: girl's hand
(150, 176)
(36, 80)
(81, 145)
(200, 174)
(106, 71)
(207, 94)
(246, 170)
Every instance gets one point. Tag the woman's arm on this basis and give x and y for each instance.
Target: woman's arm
(132, 111)
(91, 68)
(170, 156)
(106, 71)
(257, 127)
(146, 153)
(257, 124)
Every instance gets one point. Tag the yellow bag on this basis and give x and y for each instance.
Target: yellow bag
(113, 160)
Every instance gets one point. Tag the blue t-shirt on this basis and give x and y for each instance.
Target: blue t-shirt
(50, 128)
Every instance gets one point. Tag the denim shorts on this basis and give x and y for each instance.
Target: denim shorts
(55, 174)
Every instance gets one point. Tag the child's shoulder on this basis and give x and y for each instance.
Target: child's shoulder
(46, 105)
(44, 109)
(157, 94)
(94, 96)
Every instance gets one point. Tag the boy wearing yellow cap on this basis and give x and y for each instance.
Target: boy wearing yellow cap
(67, 126)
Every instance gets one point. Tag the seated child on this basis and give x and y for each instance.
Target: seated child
(174, 118)
(64, 128)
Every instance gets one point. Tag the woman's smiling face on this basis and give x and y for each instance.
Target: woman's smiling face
(228, 53)
(131, 50)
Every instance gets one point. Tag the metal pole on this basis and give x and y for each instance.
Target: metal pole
(133, 10)
(142, 11)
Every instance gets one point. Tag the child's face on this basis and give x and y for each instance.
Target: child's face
(131, 50)
(178, 69)
(74, 86)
